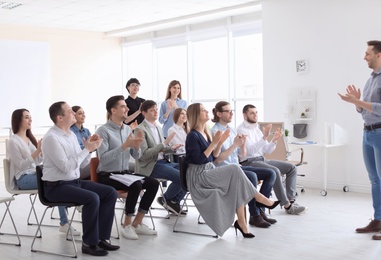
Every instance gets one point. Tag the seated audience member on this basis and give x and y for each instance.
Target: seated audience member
(180, 127)
(82, 133)
(256, 146)
(25, 153)
(62, 159)
(172, 101)
(231, 149)
(114, 156)
(134, 102)
(153, 161)
(219, 192)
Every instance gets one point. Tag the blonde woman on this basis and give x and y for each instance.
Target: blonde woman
(218, 193)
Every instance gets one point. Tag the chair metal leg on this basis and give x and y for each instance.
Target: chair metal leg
(31, 209)
(55, 253)
(189, 232)
(7, 210)
(162, 194)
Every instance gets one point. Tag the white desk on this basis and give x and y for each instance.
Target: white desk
(325, 163)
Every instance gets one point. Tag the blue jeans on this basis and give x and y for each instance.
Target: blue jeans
(29, 182)
(169, 171)
(267, 175)
(371, 149)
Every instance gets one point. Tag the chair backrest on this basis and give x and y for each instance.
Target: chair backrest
(281, 151)
(183, 172)
(7, 174)
(93, 169)
(40, 186)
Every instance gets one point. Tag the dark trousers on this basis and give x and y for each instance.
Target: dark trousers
(150, 185)
(98, 202)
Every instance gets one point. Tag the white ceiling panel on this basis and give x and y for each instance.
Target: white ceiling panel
(108, 15)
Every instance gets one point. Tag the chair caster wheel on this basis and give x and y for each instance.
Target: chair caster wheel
(323, 193)
(345, 188)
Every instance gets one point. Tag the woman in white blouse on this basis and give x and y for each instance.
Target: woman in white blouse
(180, 127)
(24, 154)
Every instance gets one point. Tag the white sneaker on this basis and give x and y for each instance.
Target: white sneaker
(65, 228)
(129, 232)
(144, 230)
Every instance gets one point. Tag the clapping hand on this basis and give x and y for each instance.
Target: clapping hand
(93, 142)
(352, 94)
(266, 130)
(134, 124)
(278, 133)
(169, 138)
(134, 141)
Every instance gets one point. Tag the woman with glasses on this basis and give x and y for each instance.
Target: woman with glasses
(218, 193)
(172, 101)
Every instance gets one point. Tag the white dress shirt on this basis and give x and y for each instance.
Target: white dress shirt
(63, 157)
(255, 144)
(179, 138)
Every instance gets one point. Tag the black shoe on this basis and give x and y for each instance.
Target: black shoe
(260, 205)
(245, 235)
(258, 221)
(161, 201)
(93, 250)
(173, 207)
(267, 219)
(107, 246)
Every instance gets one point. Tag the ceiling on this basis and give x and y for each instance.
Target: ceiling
(115, 16)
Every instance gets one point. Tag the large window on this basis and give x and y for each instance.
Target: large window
(137, 63)
(212, 65)
(210, 69)
(171, 65)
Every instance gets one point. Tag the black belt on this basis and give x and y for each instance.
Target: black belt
(372, 127)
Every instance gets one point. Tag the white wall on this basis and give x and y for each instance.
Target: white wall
(86, 68)
(332, 36)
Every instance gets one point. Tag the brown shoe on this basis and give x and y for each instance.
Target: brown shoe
(377, 236)
(373, 226)
(258, 222)
(267, 218)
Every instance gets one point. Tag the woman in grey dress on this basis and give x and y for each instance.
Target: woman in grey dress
(218, 193)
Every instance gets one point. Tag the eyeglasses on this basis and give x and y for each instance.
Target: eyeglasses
(134, 85)
(227, 111)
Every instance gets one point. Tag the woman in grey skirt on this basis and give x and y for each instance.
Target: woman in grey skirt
(218, 193)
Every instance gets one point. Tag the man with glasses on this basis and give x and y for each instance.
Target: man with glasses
(134, 102)
(231, 150)
(256, 146)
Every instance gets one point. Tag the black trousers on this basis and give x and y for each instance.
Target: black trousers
(150, 185)
(98, 202)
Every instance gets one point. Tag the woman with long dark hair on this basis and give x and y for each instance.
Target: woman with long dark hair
(24, 154)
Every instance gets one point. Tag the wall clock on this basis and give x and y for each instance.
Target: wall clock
(301, 66)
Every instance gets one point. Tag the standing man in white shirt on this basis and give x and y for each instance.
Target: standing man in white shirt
(63, 157)
(256, 146)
